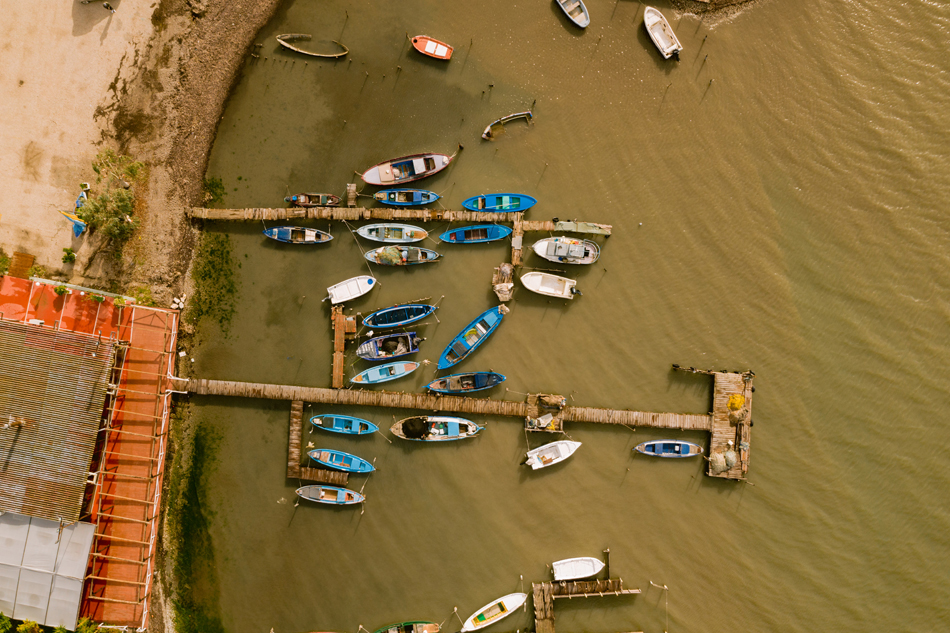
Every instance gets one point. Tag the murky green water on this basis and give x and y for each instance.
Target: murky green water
(789, 217)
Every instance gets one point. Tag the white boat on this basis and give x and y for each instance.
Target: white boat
(550, 285)
(494, 611)
(392, 233)
(567, 250)
(351, 288)
(661, 33)
(576, 568)
(551, 454)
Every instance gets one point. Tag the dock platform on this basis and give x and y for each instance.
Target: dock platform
(545, 593)
(294, 469)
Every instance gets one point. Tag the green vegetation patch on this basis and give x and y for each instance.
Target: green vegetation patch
(4, 262)
(112, 211)
(142, 295)
(213, 190)
(215, 285)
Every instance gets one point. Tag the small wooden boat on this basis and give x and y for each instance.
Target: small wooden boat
(401, 255)
(498, 125)
(405, 197)
(392, 233)
(286, 39)
(476, 234)
(351, 288)
(399, 315)
(669, 448)
(416, 626)
(500, 202)
(550, 285)
(435, 428)
(339, 460)
(576, 568)
(432, 47)
(575, 11)
(406, 168)
(389, 346)
(297, 235)
(494, 611)
(346, 424)
(330, 494)
(567, 250)
(384, 373)
(471, 336)
(313, 200)
(550, 454)
(661, 33)
(464, 383)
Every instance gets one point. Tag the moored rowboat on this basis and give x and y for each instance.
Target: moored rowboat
(575, 11)
(384, 373)
(432, 47)
(346, 424)
(389, 346)
(351, 288)
(313, 200)
(401, 255)
(669, 448)
(405, 197)
(567, 250)
(661, 33)
(406, 168)
(339, 460)
(330, 494)
(435, 428)
(550, 285)
(550, 454)
(414, 626)
(464, 383)
(392, 233)
(494, 611)
(500, 202)
(476, 234)
(471, 336)
(399, 315)
(576, 568)
(297, 235)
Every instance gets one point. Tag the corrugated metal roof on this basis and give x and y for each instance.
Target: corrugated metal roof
(52, 392)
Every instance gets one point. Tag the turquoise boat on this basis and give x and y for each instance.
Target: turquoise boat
(476, 234)
(471, 336)
(384, 373)
(500, 202)
(343, 424)
(330, 494)
(339, 460)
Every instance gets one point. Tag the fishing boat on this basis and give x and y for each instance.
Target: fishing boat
(435, 428)
(351, 288)
(494, 611)
(464, 383)
(471, 336)
(401, 255)
(346, 424)
(313, 200)
(399, 315)
(389, 346)
(550, 454)
(392, 233)
(498, 125)
(405, 197)
(669, 448)
(567, 250)
(575, 11)
(661, 33)
(500, 202)
(406, 168)
(576, 568)
(297, 235)
(384, 373)
(339, 460)
(550, 285)
(432, 47)
(476, 234)
(415, 626)
(330, 494)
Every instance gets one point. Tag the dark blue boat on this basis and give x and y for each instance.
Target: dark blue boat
(343, 424)
(476, 234)
(463, 383)
(389, 346)
(669, 448)
(347, 462)
(297, 235)
(500, 202)
(406, 197)
(471, 336)
(399, 315)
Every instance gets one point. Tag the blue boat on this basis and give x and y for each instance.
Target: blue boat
(343, 424)
(389, 346)
(476, 234)
(384, 373)
(401, 255)
(435, 428)
(399, 315)
(471, 336)
(669, 448)
(406, 197)
(464, 383)
(339, 460)
(297, 235)
(330, 494)
(500, 202)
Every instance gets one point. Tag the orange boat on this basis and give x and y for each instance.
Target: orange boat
(431, 47)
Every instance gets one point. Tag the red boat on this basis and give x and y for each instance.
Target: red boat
(432, 47)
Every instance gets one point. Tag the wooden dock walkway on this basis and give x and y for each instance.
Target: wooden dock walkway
(545, 593)
(294, 469)
(344, 329)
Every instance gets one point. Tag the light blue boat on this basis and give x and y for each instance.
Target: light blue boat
(471, 336)
(397, 316)
(339, 460)
(343, 424)
(500, 202)
(401, 255)
(297, 235)
(463, 383)
(669, 448)
(476, 234)
(384, 373)
(406, 197)
(330, 494)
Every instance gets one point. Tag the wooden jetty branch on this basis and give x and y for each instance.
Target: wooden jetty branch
(294, 469)
(545, 593)
(344, 329)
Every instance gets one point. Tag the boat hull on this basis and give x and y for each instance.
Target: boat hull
(406, 169)
(330, 495)
(405, 197)
(476, 234)
(392, 233)
(413, 626)
(661, 33)
(401, 255)
(345, 424)
(351, 288)
(432, 47)
(567, 250)
(400, 315)
(576, 568)
(297, 235)
(338, 460)
(576, 12)
(494, 611)
(549, 285)
(471, 336)
(669, 448)
(466, 383)
(434, 428)
(310, 200)
(389, 346)
(550, 454)
(384, 373)
(500, 202)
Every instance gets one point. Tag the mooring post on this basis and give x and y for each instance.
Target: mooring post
(607, 562)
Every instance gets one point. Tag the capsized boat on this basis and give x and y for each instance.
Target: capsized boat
(313, 200)
(494, 611)
(339, 460)
(471, 336)
(406, 168)
(345, 424)
(661, 33)
(435, 428)
(384, 373)
(330, 494)
(432, 47)
(476, 234)
(464, 383)
(550, 285)
(498, 125)
(405, 197)
(351, 288)
(500, 202)
(575, 11)
(414, 626)
(297, 235)
(550, 454)
(669, 448)
(399, 315)
(401, 255)
(393, 233)
(389, 346)
(567, 250)
(576, 568)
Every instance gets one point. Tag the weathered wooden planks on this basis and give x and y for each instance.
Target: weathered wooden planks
(681, 421)
(293, 452)
(348, 214)
(738, 429)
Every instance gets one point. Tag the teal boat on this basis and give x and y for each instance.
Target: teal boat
(500, 202)
(471, 336)
(339, 460)
(343, 424)
(384, 373)
(330, 494)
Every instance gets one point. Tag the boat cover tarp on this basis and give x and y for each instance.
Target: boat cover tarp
(415, 428)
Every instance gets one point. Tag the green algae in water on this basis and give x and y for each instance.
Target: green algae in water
(215, 286)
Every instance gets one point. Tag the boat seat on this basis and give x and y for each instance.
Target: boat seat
(570, 7)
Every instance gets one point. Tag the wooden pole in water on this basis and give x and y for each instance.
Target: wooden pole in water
(607, 561)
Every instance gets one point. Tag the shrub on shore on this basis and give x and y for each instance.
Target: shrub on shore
(112, 211)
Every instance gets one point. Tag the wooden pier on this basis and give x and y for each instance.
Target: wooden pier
(545, 593)
(344, 329)
(294, 469)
